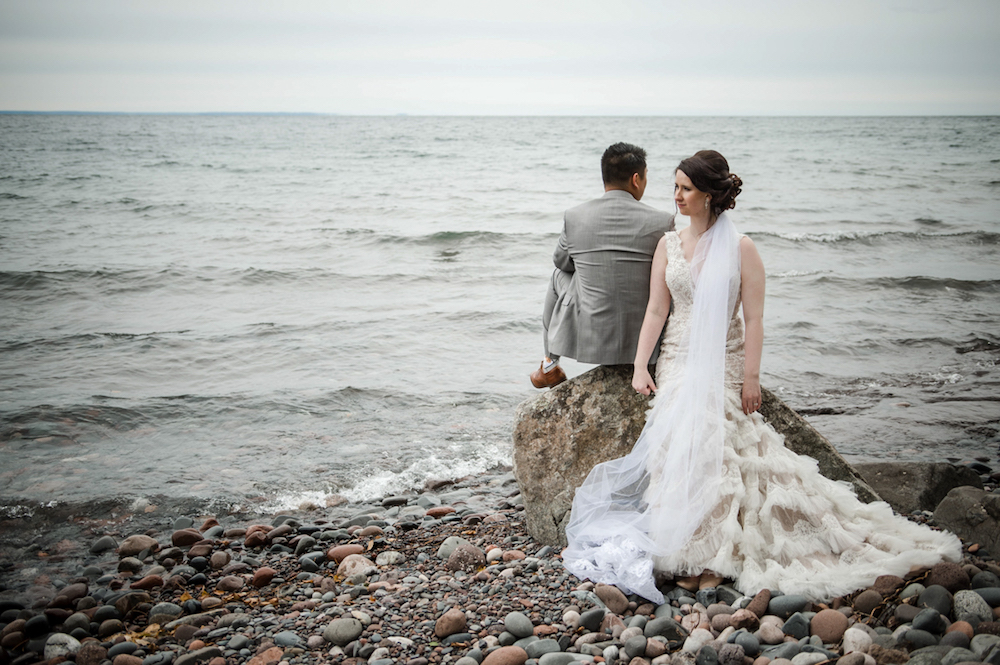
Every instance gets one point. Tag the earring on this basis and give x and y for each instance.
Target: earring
(706, 202)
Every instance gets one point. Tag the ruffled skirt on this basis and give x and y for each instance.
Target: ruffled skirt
(780, 524)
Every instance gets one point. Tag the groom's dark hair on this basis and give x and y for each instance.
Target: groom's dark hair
(620, 161)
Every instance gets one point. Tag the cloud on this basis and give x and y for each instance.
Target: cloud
(636, 56)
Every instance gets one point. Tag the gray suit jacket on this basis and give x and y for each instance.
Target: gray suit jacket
(607, 248)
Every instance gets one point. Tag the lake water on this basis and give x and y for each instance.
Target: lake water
(281, 307)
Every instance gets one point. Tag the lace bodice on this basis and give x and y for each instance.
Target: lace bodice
(681, 285)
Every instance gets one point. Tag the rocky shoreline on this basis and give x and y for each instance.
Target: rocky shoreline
(447, 575)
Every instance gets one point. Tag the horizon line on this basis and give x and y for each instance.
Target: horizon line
(501, 115)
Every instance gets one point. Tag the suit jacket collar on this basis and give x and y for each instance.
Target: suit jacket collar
(618, 193)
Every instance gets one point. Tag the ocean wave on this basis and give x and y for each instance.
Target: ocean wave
(916, 283)
(370, 484)
(871, 238)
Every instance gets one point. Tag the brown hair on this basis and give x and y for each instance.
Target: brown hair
(709, 172)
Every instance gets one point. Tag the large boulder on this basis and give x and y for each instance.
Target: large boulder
(561, 434)
(971, 514)
(912, 486)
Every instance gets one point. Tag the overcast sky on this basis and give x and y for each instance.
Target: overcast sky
(476, 57)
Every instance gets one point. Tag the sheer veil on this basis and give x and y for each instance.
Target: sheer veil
(650, 502)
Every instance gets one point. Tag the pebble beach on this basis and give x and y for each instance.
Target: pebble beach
(445, 575)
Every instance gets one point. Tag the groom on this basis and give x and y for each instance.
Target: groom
(598, 292)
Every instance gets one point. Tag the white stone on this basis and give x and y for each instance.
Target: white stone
(60, 644)
(809, 658)
(856, 639)
(698, 638)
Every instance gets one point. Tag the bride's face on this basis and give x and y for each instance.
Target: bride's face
(688, 198)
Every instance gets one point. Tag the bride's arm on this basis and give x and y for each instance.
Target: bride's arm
(652, 324)
(752, 293)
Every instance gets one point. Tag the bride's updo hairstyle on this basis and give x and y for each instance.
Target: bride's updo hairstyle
(709, 172)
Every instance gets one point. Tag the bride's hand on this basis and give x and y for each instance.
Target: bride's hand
(642, 382)
(751, 395)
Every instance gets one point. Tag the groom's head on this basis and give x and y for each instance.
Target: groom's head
(623, 166)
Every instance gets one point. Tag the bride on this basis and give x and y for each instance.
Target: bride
(709, 491)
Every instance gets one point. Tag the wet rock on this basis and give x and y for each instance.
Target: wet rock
(971, 514)
(913, 486)
(185, 537)
(134, 545)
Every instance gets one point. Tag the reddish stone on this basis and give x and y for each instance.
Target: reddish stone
(255, 539)
(211, 602)
(988, 627)
(517, 555)
(451, 622)
(341, 552)
(263, 576)
(201, 548)
(133, 545)
(126, 659)
(759, 603)
(220, 560)
(271, 656)
(440, 511)
(888, 584)
(91, 653)
(218, 660)
(148, 582)
(949, 575)
(543, 630)
(185, 632)
(230, 583)
(12, 639)
(185, 537)
(962, 627)
(828, 625)
(279, 532)
(57, 615)
(655, 648)
(195, 645)
(506, 656)
(495, 517)
(612, 597)
(258, 528)
(208, 524)
(743, 619)
(370, 531)
(74, 591)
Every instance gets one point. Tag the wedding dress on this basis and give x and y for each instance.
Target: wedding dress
(752, 511)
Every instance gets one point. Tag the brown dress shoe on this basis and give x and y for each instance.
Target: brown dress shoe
(542, 379)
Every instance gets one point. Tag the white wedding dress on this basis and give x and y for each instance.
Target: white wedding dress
(774, 522)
